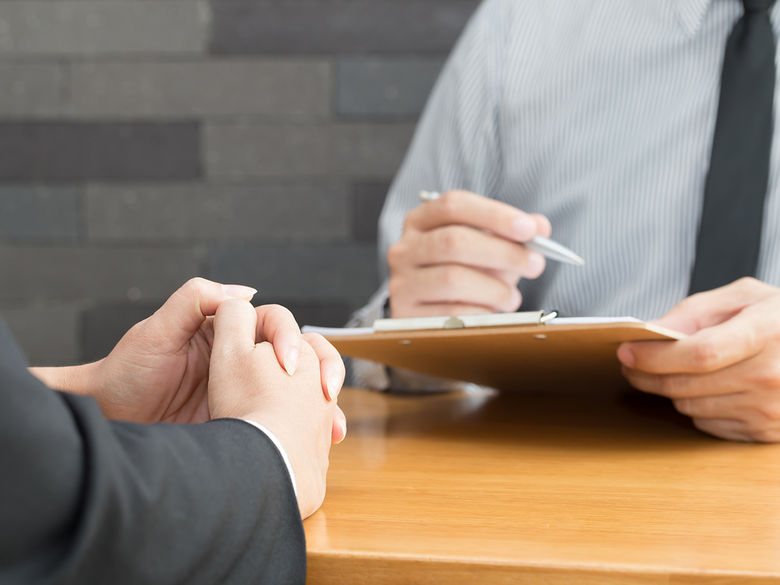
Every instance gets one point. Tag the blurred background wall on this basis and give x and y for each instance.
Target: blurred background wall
(143, 142)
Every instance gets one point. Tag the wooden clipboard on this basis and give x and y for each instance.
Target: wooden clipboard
(507, 357)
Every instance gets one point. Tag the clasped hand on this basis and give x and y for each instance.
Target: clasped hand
(159, 370)
(208, 353)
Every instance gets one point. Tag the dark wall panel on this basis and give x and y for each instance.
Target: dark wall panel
(349, 26)
(250, 141)
(80, 151)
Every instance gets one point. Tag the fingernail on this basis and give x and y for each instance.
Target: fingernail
(238, 291)
(626, 356)
(535, 264)
(291, 360)
(524, 228)
(334, 385)
(343, 426)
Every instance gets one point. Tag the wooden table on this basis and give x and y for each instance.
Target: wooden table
(541, 488)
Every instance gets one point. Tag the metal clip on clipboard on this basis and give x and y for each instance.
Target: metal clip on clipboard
(465, 321)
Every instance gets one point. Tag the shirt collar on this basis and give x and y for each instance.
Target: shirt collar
(691, 13)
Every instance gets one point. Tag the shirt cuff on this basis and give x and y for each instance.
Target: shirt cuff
(282, 452)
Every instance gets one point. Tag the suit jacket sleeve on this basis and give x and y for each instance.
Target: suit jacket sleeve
(86, 500)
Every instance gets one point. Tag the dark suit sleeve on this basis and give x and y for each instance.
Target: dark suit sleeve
(85, 500)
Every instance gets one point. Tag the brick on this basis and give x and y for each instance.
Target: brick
(385, 87)
(41, 213)
(256, 150)
(32, 89)
(61, 151)
(321, 273)
(47, 333)
(70, 273)
(368, 197)
(287, 88)
(344, 27)
(104, 325)
(199, 212)
(98, 27)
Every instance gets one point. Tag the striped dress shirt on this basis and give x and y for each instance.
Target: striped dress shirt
(598, 114)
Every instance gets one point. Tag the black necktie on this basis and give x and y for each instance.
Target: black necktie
(730, 230)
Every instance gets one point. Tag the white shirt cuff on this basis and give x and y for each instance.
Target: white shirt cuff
(282, 452)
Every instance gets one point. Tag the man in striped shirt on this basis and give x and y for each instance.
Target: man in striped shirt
(594, 122)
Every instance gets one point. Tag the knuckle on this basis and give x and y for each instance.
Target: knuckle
(510, 256)
(280, 311)
(687, 305)
(672, 387)
(196, 282)
(140, 325)
(449, 204)
(747, 282)
(450, 276)
(189, 289)
(767, 376)
(275, 308)
(396, 287)
(447, 240)
(396, 255)
(313, 338)
(755, 340)
(706, 356)
(138, 330)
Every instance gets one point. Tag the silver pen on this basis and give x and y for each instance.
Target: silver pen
(545, 246)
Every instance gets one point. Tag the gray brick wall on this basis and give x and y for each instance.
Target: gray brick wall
(145, 142)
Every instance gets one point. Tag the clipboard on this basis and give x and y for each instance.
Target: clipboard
(539, 354)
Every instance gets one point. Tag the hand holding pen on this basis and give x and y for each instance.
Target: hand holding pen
(461, 253)
(545, 246)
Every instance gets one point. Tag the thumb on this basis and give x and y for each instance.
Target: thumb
(713, 307)
(235, 328)
(235, 324)
(186, 309)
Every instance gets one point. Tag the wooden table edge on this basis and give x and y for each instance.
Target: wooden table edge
(359, 568)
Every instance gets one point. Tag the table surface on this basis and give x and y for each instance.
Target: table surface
(531, 487)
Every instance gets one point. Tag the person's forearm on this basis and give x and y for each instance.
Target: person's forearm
(123, 490)
(74, 379)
